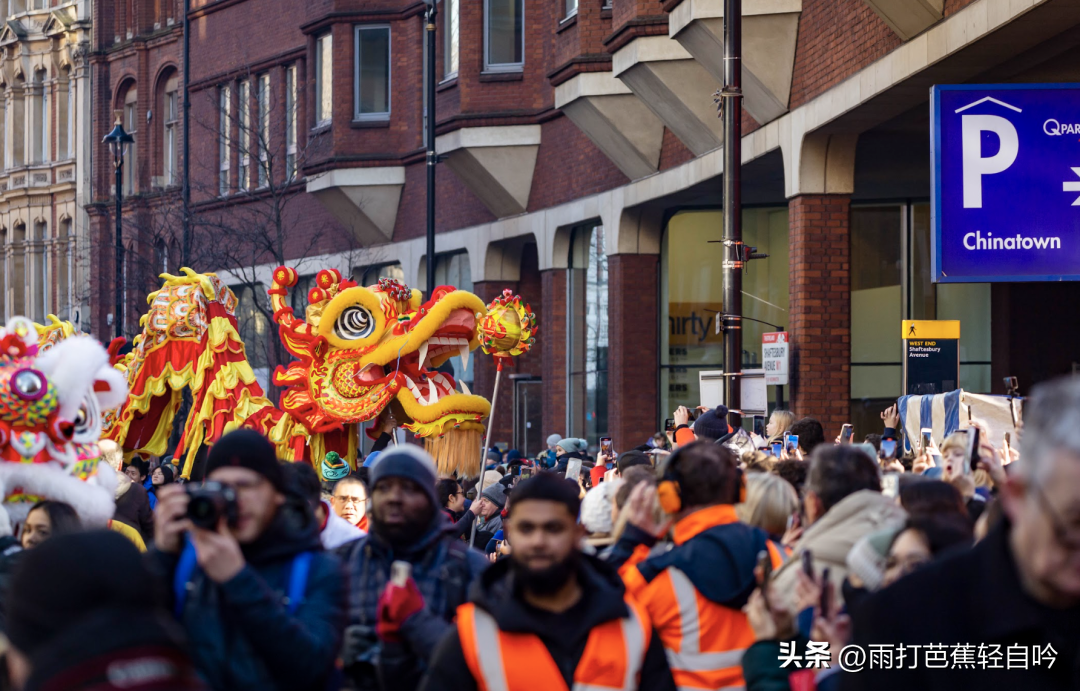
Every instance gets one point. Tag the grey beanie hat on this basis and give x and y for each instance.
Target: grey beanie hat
(496, 494)
(409, 462)
(553, 439)
(572, 445)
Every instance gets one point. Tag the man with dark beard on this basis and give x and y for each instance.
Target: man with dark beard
(393, 630)
(549, 617)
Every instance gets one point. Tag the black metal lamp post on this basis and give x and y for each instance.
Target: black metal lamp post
(432, 157)
(118, 141)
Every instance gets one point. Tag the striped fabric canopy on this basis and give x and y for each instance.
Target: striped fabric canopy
(949, 412)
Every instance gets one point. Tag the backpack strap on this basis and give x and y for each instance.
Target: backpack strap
(298, 576)
(185, 569)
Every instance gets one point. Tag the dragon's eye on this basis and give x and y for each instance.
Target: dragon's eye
(354, 323)
(29, 384)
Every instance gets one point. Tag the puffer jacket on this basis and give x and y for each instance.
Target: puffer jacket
(443, 567)
(241, 633)
(832, 537)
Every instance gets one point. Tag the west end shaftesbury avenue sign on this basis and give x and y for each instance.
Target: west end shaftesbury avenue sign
(1005, 182)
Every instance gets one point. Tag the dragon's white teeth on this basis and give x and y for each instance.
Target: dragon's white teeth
(423, 353)
(464, 350)
(465, 388)
(433, 393)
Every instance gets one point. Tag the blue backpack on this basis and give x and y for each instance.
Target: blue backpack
(185, 569)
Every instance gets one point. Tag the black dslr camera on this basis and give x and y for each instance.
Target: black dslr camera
(208, 502)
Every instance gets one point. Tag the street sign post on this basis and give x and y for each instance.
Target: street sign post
(1005, 182)
(774, 358)
(931, 357)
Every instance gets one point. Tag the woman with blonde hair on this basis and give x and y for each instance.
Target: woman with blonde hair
(770, 502)
(779, 423)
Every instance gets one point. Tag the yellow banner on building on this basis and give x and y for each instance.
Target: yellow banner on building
(923, 329)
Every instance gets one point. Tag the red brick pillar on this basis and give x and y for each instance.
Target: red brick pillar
(553, 352)
(633, 348)
(484, 372)
(820, 308)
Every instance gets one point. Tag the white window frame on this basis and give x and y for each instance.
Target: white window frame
(262, 99)
(291, 109)
(322, 119)
(224, 139)
(502, 66)
(243, 91)
(131, 124)
(571, 8)
(451, 38)
(172, 125)
(372, 117)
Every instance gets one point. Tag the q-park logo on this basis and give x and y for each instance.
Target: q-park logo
(1054, 128)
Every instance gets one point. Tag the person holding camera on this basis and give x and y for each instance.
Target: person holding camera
(263, 606)
(393, 630)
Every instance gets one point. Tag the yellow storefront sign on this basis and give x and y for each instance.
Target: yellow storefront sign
(923, 329)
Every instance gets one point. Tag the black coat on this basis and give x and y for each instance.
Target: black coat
(973, 597)
(133, 509)
(242, 635)
(564, 635)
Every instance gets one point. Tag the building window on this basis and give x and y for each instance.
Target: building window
(243, 92)
(372, 72)
(131, 124)
(17, 138)
(39, 280)
(39, 116)
(691, 285)
(171, 140)
(504, 35)
(571, 8)
(17, 286)
(587, 326)
(291, 108)
(224, 138)
(262, 98)
(324, 72)
(251, 322)
(451, 38)
(64, 249)
(69, 95)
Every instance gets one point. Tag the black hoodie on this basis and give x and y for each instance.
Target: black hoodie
(564, 634)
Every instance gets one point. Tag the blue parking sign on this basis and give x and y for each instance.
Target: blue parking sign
(1005, 180)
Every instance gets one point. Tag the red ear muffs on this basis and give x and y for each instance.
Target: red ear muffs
(670, 499)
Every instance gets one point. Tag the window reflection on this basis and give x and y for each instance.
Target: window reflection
(588, 335)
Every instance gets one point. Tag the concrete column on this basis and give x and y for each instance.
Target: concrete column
(634, 351)
(820, 307)
(84, 190)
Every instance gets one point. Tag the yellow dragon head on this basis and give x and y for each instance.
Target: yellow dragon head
(362, 349)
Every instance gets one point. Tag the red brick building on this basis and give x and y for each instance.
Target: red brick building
(583, 167)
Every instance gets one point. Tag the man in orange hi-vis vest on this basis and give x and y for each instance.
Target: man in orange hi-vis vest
(549, 617)
(694, 592)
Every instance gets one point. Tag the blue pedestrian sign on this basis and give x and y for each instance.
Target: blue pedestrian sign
(1005, 182)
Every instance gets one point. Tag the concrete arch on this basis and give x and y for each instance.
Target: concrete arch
(502, 261)
(818, 163)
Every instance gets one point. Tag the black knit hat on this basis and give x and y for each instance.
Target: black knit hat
(712, 424)
(67, 578)
(246, 448)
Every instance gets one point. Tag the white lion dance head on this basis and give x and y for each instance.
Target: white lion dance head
(51, 402)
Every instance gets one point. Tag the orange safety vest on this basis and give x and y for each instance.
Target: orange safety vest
(704, 641)
(501, 661)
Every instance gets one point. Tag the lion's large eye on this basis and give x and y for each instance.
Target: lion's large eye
(354, 323)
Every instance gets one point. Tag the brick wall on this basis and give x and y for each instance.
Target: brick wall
(634, 355)
(836, 39)
(820, 307)
(553, 357)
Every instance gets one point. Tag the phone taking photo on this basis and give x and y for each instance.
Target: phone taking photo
(973, 449)
(846, 432)
(777, 448)
(826, 593)
(759, 425)
(669, 425)
(791, 442)
(808, 563)
(605, 445)
(888, 449)
(926, 438)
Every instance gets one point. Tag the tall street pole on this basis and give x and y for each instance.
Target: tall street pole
(185, 259)
(119, 248)
(733, 246)
(432, 157)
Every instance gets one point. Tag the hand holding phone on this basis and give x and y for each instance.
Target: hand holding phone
(926, 439)
(808, 563)
(846, 432)
(888, 449)
(605, 446)
(759, 425)
(791, 442)
(777, 448)
(973, 449)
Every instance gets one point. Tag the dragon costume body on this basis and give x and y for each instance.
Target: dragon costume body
(358, 351)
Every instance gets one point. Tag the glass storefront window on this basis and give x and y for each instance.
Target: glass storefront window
(588, 328)
(369, 276)
(891, 281)
(691, 294)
